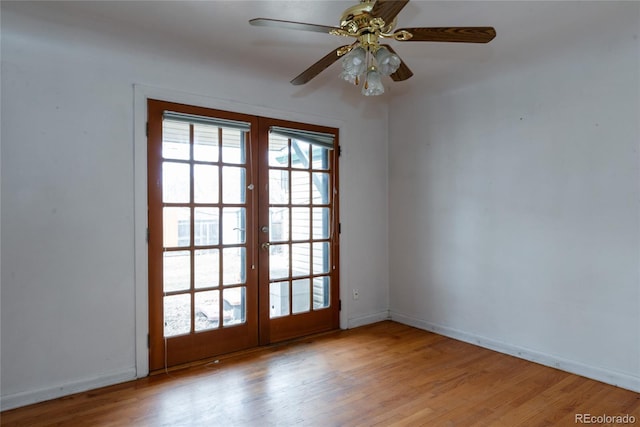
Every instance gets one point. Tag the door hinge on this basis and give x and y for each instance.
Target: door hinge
(147, 131)
(148, 341)
(148, 235)
(339, 150)
(339, 228)
(339, 305)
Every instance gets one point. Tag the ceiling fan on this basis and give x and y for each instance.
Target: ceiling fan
(366, 59)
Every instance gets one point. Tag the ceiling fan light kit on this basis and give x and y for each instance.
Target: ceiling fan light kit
(365, 60)
(359, 60)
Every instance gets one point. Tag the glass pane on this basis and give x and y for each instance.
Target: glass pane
(278, 187)
(278, 261)
(206, 268)
(278, 224)
(321, 292)
(300, 221)
(300, 158)
(300, 259)
(233, 146)
(320, 188)
(234, 266)
(321, 258)
(205, 143)
(205, 226)
(301, 296)
(233, 225)
(233, 184)
(207, 305)
(177, 315)
(300, 188)
(176, 271)
(321, 225)
(205, 184)
(320, 158)
(234, 306)
(175, 140)
(278, 299)
(176, 227)
(175, 182)
(278, 151)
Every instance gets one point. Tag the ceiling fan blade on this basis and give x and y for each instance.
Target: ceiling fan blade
(290, 25)
(451, 34)
(403, 72)
(318, 67)
(388, 9)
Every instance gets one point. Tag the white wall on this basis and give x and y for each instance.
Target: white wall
(514, 208)
(71, 269)
(513, 203)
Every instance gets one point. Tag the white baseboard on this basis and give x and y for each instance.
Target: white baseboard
(354, 322)
(617, 379)
(29, 397)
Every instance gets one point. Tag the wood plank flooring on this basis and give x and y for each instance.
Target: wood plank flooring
(386, 374)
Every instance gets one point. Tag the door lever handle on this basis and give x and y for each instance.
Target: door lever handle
(265, 245)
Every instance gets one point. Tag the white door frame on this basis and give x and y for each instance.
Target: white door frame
(141, 94)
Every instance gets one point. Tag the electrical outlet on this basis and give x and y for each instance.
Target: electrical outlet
(356, 294)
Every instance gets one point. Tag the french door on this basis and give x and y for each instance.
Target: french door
(298, 236)
(243, 245)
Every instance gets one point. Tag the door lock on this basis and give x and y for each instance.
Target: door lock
(264, 229)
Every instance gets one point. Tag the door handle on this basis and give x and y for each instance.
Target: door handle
(265, 245)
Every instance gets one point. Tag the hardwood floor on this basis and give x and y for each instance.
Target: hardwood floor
(385, 374)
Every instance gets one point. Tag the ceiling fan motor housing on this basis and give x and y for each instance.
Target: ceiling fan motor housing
(358, 19)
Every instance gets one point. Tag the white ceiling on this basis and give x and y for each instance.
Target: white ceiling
(527, 32)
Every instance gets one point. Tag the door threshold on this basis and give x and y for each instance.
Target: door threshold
(215, 360)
